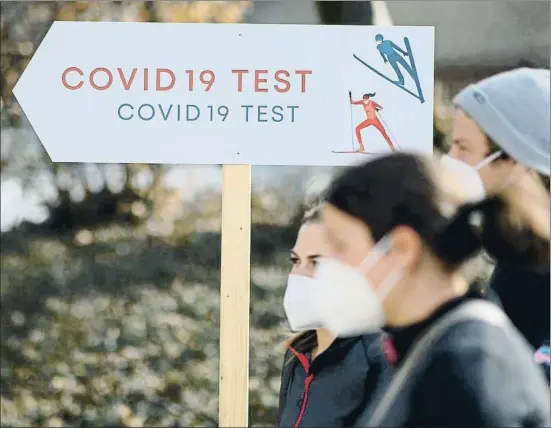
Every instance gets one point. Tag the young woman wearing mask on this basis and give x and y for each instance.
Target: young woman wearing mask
(506, 138)
(326, 382)
(397, 251)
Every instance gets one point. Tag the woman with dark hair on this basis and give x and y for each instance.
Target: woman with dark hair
(326, 381)
(371, 108)
(400, 233)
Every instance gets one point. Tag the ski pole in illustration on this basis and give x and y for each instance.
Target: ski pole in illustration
(380, 115)
(351, 123)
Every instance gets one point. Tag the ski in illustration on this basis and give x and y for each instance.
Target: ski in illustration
(350, 151)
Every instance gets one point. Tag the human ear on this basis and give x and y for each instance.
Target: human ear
(407, 248)
(509, 166)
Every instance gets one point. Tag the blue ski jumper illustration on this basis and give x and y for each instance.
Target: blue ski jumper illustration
(395, 56)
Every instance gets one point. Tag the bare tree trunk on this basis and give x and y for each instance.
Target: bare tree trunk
(346, 12)
(150, 11)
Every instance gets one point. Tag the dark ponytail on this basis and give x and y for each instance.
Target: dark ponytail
(400, 189)
(491, 224)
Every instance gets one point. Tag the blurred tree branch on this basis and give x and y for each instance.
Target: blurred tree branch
(22, 27)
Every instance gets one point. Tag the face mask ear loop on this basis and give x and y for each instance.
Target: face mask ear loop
(389, 283)
(488, 160)
(376, 253)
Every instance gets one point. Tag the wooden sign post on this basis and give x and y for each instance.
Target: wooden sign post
(235, 294)
(236, 95)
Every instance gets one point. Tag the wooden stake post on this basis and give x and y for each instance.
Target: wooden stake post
(235, 294)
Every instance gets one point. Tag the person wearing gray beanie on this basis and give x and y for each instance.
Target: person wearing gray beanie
(502, 128)
(506, 115)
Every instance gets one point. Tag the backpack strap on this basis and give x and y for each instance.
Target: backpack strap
(472, 310)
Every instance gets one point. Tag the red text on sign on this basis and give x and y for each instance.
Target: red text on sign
(102, 78)
(206, 77)
(263, 80)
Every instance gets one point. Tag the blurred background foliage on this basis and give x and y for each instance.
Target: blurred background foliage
(110, 273)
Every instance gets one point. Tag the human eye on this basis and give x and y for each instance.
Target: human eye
(463, 148)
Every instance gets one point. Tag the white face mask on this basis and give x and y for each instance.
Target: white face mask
(469, 175)
(299, 305)
(348, 303)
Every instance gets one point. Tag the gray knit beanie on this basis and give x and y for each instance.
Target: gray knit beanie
(512, 108)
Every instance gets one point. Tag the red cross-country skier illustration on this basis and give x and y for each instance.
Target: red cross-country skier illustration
(371, 108)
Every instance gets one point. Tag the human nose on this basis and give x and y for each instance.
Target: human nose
(303, 269)
(453, 152)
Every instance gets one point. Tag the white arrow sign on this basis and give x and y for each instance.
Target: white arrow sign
(229, 94)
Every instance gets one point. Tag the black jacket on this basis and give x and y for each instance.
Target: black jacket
(476, 374)
(524, 296)
(335, 388)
